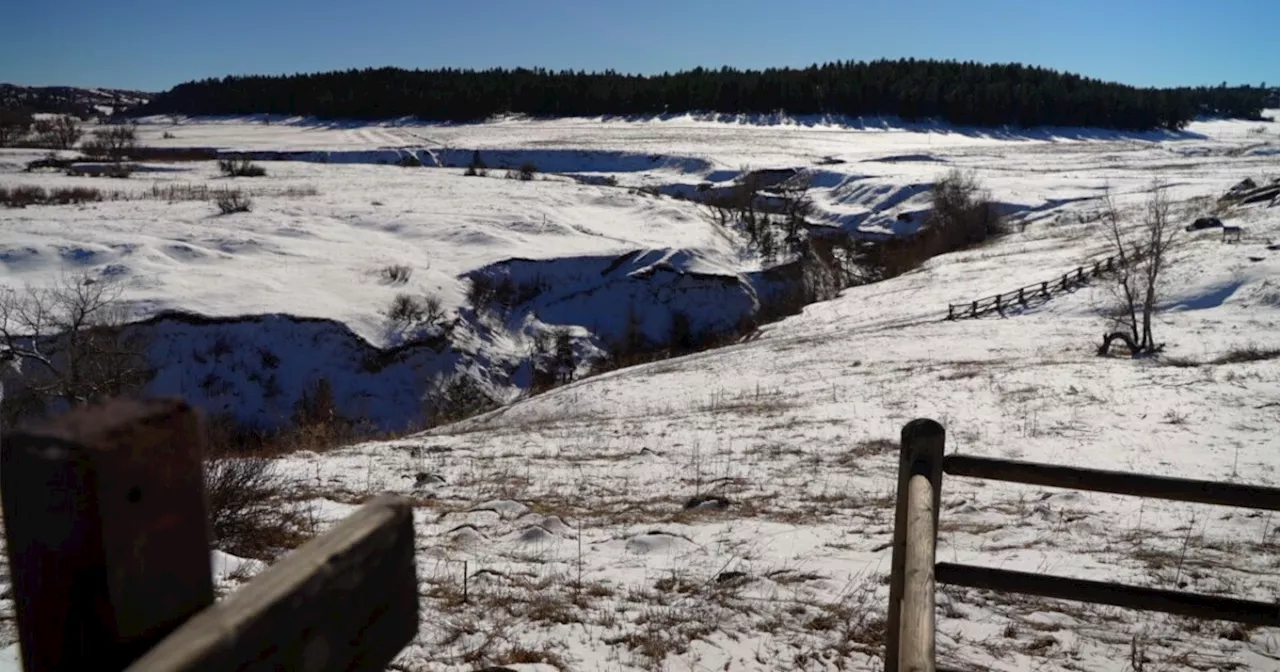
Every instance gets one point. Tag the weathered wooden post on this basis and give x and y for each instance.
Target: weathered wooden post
(1044, 289)
(109, 543)
(108, 539)
(1022, 296)
(951, 311)
(1080, 275)
(347, 600)
(973, 310)
(1065, 280)
(909, 641)
(999, 304)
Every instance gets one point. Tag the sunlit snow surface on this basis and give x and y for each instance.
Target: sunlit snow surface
(795, 429)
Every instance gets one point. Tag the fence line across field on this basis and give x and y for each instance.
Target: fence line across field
(1021, 296)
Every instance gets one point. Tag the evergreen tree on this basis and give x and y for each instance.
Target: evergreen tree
(964, 93)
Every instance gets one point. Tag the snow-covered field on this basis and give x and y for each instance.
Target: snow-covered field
(319, 255)
(571, 509)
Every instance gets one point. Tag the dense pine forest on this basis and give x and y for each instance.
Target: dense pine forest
(960, 93)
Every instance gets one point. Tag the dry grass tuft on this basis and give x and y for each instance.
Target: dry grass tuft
(253, 510)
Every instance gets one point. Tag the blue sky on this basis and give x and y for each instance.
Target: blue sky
(153, 45)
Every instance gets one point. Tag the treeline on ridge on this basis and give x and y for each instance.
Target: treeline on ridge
(964, 93)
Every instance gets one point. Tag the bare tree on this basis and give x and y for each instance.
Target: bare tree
(68, 343)
(1142, 254)
(1159, 234)
(114, 143)
(64, 132)
(1123, 311)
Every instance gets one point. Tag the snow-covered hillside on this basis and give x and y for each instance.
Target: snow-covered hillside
(325, 226)
(733, 509)
(608, 478)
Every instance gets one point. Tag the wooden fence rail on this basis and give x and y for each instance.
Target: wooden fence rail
(109, 543)
(910, 634)
(1024, 295)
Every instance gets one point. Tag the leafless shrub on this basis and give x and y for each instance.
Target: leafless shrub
(201, 192)
(963, 214)
(498, 291)
(1247, 353)
(454, 397)
(294, 192)
(252, 508)
(1237, 355)
(477, 166)
(396, 274)
(114, 143)
(240, 167)
(409, 312)
(229, 202)
(68, 195)
(22, 196)
(183, 192)
(554, 360)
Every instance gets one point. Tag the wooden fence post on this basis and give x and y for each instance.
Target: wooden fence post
(973, 310)
(999, 305)
(951, 311)
(920, 454)
(346, 600)
(1080, 275)
(1044, 289)
(1022, 296)
(1065, 280)
(108, 536)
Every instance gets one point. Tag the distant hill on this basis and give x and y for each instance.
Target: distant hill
(963, 93)
(81, 102)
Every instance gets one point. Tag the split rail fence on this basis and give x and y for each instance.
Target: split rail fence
(109, 545)
(1039, 291)
(910, 633)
